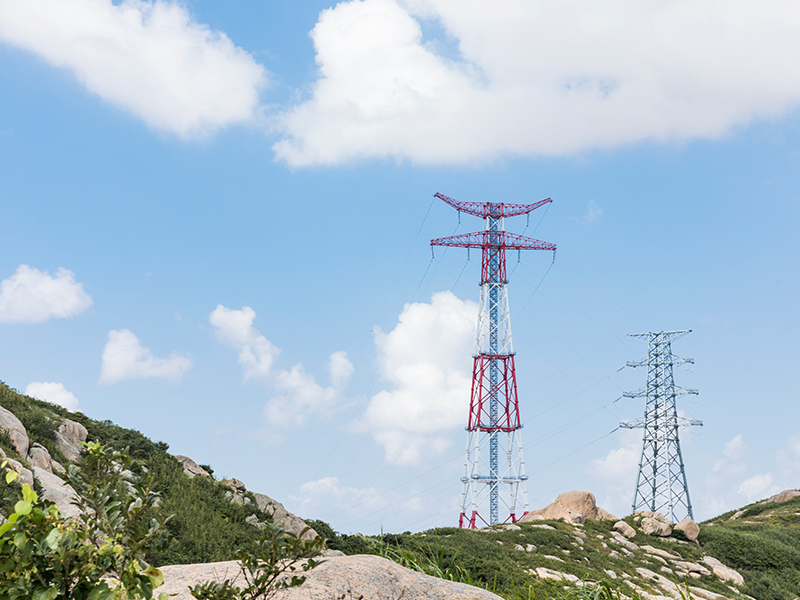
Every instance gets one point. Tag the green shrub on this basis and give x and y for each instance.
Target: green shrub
(44, 556)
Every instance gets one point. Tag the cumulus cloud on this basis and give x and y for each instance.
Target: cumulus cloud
(330, 493)
(298, 395)
(757, 486)
(538, 78)
(124, 357)
(616, 471)
(52, 392)
(425, 360)
(149, 58)
(234, 328)
(31, 296)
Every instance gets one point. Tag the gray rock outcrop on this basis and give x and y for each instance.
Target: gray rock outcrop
(367, 576)
(57, 492)
(782, 496)
(69, 437)
(574, 507)
(291, 523)
(15, 431)
(190, 467)
(39, 457)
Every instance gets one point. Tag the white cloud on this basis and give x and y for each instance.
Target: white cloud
(426, 360)
(543, 78)
(52, 392)
(149, 58)
(616, 471)
(298, 395)
(31, 296)
(329, 493)
(731, 462)
(235, 329)
(593, 212)
(758, 486)
(124, 357)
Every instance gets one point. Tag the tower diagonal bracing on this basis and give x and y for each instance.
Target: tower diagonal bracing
(661, 484)
(494, 464)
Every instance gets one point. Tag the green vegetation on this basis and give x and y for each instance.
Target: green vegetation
(44, 556)
(206, 525)
(265, 569)
(99, 554)
(763, 544)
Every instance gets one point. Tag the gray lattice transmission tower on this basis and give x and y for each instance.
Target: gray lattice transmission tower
(661, 482)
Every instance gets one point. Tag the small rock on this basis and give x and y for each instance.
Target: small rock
(530, 548)
(723, 572)
(735, 515)
(661, 553)
(551, 557)
(518, 547)
(611, 573)
(623, 528)
(691, 567)
(545, 573)
(510, 527)
(705, 594)
(689, 528)
(550, 527)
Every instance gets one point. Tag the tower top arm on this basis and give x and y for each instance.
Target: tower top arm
(493, 239)
(492, 209)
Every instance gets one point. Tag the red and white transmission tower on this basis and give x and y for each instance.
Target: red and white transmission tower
(494, 407)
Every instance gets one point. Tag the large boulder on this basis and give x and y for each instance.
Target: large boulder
(281, 516)
(57, 491)
(689, 528)
(15, 431)
(574, 507)
(69, 437)
(782, 496)
(190, 467)
(361, 576)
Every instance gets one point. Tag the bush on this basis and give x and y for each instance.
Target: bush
(44, 556)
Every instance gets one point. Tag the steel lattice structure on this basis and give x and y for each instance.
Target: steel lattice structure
(494, 422)
(661, 482)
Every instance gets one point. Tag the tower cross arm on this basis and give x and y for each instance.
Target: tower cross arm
(673, 360)
(493, 239)
(492, 209)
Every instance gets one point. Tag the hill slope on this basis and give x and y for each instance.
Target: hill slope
(526, 560)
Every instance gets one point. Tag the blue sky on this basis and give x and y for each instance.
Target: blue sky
(181, 162)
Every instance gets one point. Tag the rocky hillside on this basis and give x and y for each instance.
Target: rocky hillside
(212, 518)
(569, 546)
